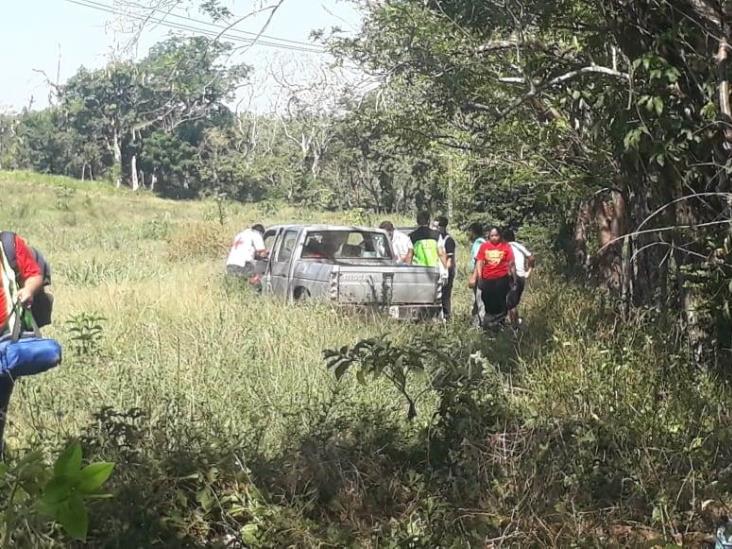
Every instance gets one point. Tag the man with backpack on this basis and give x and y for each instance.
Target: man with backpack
(22, 279)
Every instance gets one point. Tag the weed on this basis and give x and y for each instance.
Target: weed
(85, 333)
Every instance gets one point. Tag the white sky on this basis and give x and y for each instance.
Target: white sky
(36, 34)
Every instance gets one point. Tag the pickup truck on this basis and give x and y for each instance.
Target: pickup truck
(346, 266)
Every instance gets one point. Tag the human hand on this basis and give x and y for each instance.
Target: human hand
(25, 296)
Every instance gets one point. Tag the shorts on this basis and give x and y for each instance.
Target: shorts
(242, 271)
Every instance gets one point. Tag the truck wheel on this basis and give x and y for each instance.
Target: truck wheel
(301, 294)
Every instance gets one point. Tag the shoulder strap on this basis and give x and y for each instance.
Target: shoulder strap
(8, 241)
(19, 314)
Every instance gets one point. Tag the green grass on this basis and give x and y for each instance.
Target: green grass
(217, 406)
(173, 330)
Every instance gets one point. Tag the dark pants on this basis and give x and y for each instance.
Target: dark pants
(493, 291)
(6, 389)
(514, 296)
(447, 295)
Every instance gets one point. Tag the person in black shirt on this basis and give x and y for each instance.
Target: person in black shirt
(450, 263)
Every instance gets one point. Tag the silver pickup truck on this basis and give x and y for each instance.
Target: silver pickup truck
(346, 266)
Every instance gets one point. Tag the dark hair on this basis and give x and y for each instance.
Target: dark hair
(476, 229)
(492, 228)
(387, 226)
(442, 221)
(423, 218)
(509, 235)
(258, 227)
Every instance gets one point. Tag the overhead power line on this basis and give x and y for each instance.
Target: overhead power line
(235, 30)
(215, 32)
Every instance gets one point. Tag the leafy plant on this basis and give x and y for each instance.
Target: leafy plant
(60, 493)
(376, 357)
(86, 331)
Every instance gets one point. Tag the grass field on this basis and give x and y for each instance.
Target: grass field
(226, 425)
(172, 330)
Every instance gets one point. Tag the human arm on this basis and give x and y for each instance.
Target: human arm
(475, 275)
(530, 264)
(30, 278)
(408, 256)
(450, 252)
(260, 250)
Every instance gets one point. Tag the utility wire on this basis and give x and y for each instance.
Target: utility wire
(196, 30)
(224, 28)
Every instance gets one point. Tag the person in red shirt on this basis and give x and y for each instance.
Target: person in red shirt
(494, 271)
(18, 287)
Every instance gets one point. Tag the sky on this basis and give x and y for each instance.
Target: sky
(35, 35)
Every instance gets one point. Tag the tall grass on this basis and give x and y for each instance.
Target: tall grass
(227, 426)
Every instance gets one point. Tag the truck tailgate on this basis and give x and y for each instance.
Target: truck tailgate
(388, 285)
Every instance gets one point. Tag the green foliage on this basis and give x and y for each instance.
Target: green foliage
(59, 493)
(86, 331)
(63, 497)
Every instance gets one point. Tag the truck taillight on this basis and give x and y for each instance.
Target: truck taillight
(333, 288)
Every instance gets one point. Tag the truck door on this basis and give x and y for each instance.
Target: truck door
(280, 264)
(262, 266)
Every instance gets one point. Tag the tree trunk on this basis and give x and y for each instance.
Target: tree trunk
(133, 173)
(117, 151)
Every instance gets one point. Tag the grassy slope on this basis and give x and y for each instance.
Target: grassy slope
(604, 426)
(152, 268)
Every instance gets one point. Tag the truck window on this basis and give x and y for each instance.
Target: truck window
(270, 238)
(288, 246)
(340, 244)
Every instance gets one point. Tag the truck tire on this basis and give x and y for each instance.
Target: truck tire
(301, 294)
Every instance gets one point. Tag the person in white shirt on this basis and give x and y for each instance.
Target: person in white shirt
(400, 243)
(248, 246)
(524, 261)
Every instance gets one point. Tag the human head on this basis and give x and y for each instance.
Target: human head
(475, 230)
(442, 224)
(509, 235)
(494, 235)
(387, 226)
(258, 227)
(423, 219)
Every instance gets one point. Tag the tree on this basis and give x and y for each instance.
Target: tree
(624, 122)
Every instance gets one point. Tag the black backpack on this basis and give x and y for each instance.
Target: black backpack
(43, 301)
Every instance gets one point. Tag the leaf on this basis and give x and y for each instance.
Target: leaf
(73, 518)
(57, 490)
(341, 369)
(205, 498)
(69, 462)
(249, 533)
(658, 104)
(93, 476)
(360, 376)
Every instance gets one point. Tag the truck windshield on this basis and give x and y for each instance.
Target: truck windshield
(335, 245)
